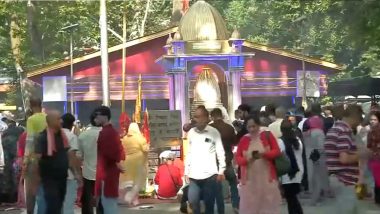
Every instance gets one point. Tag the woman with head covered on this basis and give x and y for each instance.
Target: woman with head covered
(135, 165)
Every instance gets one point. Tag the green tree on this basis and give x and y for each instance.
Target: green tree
(40, 40)
(345, 32)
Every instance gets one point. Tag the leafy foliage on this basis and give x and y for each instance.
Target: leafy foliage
(43, 42)
(346, 32)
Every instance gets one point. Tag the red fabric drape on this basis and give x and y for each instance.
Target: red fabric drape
(124, 122)
(145, 127)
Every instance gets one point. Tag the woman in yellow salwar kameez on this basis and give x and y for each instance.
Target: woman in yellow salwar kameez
(135, 165)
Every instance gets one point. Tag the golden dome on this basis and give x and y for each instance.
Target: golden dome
(202, 22)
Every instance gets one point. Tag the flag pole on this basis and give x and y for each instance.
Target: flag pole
(104, 52)
(138, 101)
(124, 64)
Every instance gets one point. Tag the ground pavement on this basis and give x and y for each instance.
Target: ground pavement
(366, 207)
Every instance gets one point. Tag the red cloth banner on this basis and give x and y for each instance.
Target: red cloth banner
(145, 126)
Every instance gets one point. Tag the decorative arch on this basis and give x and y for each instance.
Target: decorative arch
(217, 70)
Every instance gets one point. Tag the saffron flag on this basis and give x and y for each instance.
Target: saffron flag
(124, 123)
(145, 126)
(137, 115)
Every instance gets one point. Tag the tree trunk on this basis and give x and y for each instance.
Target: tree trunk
(35, 36)
(177, 5)
(178, 10)
(15, 45)
(142, 29)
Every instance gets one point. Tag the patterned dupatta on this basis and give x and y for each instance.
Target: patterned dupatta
(51, 141)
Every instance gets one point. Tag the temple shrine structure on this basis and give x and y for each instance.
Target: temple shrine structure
(197, 62)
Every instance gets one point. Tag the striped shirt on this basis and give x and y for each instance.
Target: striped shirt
(340, 139)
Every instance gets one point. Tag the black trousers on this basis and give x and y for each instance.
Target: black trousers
(377, 195)
(290, 192)
(54, 193)
(184, 199)
(88, 200)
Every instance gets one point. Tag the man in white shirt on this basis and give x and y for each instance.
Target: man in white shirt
(275, 127)
(201, 168)
(74, 177)
(88, 150)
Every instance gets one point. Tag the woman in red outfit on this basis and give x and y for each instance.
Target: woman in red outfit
(374, 146)
(20, 157)
(259, 192)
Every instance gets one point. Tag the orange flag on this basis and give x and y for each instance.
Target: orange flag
(145, 126)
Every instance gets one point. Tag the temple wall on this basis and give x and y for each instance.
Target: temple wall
(270, 75)
(265, 75)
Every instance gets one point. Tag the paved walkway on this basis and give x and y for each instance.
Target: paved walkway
(366, 207)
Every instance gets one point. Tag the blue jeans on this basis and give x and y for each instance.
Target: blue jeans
(109, 204)
(70, 197)
(40, 201)
(230, 175)
(206, 189)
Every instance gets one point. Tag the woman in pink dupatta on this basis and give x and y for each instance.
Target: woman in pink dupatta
(20, 157)
(259, 190)
(374, 146)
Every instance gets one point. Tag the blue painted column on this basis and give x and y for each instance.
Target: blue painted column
(181, 95)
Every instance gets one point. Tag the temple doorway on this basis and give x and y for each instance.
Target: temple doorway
(208, 86)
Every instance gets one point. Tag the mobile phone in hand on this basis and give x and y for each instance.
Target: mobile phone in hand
(255, 154)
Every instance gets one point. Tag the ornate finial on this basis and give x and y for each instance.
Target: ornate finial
(169, 40)
(177, 36)
(235, 34)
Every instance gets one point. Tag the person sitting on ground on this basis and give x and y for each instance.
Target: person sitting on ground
(168, 177)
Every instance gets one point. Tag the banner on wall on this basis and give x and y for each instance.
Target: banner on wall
(165, 128)
(308, 84)
(54, 88)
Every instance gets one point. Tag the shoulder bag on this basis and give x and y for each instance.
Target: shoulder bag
(177, 187)
(282, 162)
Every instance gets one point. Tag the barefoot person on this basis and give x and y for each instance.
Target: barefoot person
(135, 165)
